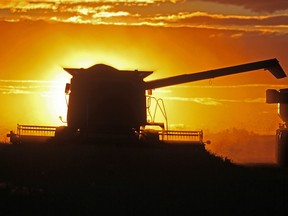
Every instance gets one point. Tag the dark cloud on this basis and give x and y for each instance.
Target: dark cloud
(255, 5)
(206, 19)
(152, 13)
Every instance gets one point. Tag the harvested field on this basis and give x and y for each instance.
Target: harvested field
(135, 180)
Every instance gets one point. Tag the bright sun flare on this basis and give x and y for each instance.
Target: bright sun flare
(57, 101)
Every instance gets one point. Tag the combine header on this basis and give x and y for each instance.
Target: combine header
(107, 103)
(32, 134)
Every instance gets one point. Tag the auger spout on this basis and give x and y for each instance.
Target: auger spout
(271, 65)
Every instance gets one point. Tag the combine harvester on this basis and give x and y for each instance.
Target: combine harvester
(110, 104)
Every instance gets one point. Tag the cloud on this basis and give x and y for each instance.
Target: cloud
(214, 101)
(39, 87)
(147, 12)
(27, 81)
(255, 5)
(65, 11)
(273, 86)
(211, 101)
(244, 22)
(204, 101)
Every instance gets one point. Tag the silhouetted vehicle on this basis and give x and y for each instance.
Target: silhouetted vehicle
(280, 97)
(107, 103)
(104, 100)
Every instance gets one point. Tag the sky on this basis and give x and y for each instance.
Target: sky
(39, 38)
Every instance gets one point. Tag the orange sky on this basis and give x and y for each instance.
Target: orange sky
(38, 38)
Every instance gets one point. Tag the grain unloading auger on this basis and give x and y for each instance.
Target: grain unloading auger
(271, 65)
(111, 103)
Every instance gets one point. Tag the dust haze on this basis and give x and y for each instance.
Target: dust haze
(242, 146)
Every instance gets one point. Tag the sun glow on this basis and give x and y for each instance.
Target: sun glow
(87, 59)
(55, 100)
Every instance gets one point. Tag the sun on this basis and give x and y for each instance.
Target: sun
(56, 100)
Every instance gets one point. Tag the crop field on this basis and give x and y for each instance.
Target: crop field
(124, 179)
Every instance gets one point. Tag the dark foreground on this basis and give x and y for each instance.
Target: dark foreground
(129, 180)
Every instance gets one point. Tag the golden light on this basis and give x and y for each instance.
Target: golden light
(86, 59)
(59, 101)
(51, 103)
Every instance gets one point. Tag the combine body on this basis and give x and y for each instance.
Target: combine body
(111, 102)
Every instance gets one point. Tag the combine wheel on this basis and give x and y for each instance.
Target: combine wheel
(63, 134)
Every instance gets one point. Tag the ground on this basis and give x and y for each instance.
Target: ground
(135, 180)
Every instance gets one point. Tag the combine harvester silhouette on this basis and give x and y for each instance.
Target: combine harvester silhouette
(110, 104)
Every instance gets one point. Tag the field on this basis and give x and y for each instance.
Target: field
(135, 180)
